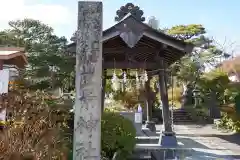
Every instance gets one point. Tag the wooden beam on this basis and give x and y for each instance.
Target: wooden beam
(128, 50)
(166, 40)
(129, 65)
(120, 77)
(150, 74)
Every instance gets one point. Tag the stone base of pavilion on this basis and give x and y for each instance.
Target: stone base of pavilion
(168, 140)
(165, 140)
(151, 126)
(149, 143)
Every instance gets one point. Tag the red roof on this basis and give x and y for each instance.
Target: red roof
(13, 56)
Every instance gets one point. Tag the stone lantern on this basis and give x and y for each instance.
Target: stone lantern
(196, 95)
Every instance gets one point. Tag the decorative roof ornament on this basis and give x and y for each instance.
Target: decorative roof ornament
(74, 35)
(130, 8)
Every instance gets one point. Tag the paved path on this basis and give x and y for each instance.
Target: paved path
(209, 140)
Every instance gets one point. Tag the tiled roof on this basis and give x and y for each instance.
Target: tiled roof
(13, 56)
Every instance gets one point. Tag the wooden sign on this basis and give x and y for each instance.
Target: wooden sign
(138, 117)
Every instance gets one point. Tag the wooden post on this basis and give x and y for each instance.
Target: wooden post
(147, 89)
(168, 137)
(164, 97)
(87, 119)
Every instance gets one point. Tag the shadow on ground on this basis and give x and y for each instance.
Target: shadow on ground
(185, 142)
(231, 138)
(191, 150)
(196, 150)
(207, 155)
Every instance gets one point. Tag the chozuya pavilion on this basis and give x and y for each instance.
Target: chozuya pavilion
(129, 44)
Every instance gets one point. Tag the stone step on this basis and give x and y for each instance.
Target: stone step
(141, 155)
(182, 120)
(147, 140)
(181, 116)
(186, 115)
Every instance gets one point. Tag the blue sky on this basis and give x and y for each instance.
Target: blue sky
(220, 17)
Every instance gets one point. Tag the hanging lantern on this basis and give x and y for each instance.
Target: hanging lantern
(115, 82)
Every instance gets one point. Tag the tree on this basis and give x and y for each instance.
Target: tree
(9, 39)
(49, 66)
(190, 67)
(186, 32)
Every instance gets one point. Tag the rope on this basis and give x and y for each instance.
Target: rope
(167, 70)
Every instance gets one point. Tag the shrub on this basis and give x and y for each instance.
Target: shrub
(35, 127)
(118, 135)
(230, 121)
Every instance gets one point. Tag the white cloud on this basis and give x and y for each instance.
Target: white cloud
(53, 15)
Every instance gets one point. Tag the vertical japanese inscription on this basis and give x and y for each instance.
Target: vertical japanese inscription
(87, 120)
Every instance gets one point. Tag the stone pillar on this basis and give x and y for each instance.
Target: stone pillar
(104, 78)
(167, 138)
(87, 118)
(215, 111)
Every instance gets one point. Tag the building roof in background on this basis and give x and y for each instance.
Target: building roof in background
(13, 56)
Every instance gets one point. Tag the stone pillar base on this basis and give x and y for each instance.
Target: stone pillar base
(151, 126)
(168, 140)
(170, 154)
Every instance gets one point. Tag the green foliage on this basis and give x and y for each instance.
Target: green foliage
(118, 134)
(174, 96)
(198, 114)
(230, 121)
(216, 81)
(186, 32)
(231, 92)
(192, 66)
(49, 66)
(128, 99)
(9, 39)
